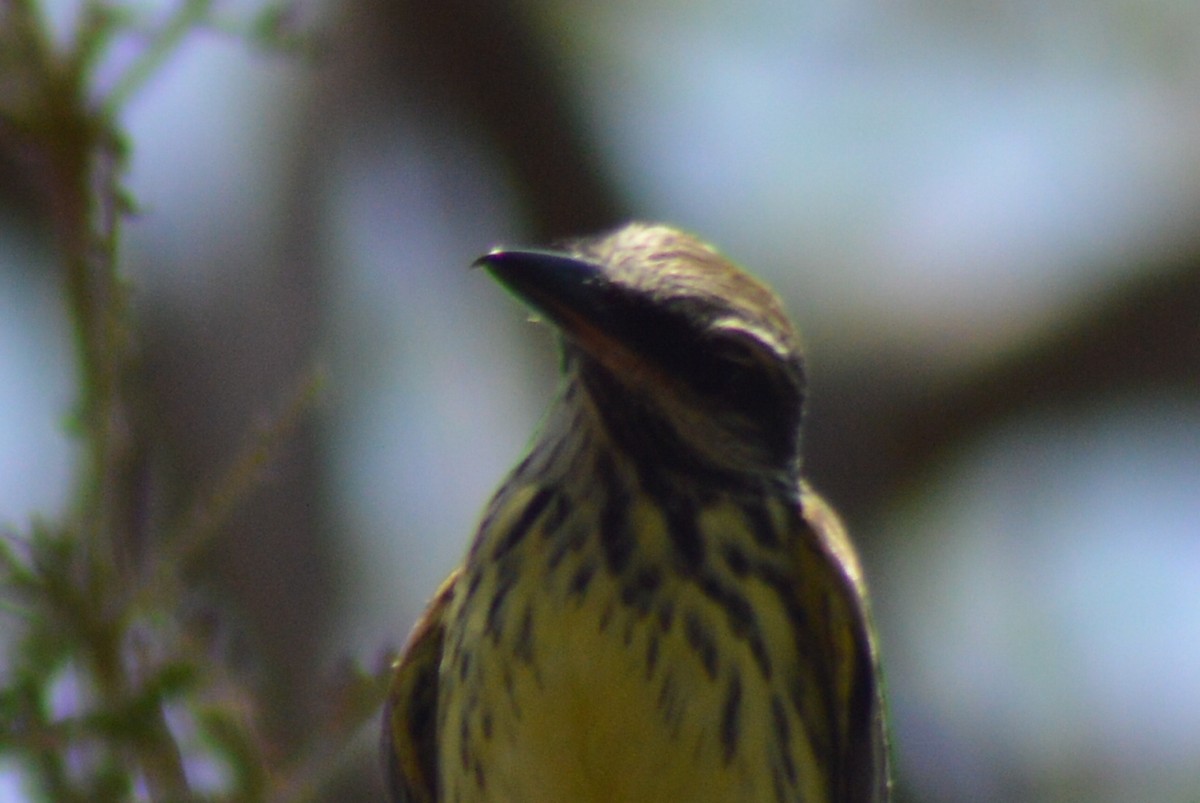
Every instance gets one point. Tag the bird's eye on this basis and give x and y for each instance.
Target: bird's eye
(734, 371)
(740, 353)
(739, 375)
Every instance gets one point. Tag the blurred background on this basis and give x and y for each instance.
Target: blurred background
(982, 216)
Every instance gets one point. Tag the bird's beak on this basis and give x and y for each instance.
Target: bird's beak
(575, 295)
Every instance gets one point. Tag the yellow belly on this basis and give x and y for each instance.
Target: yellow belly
(587, 722)
(611, 703)
(587, 696)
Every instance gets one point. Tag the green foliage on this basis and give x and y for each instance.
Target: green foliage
(112, 687)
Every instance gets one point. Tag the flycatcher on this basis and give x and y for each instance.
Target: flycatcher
(655, 607)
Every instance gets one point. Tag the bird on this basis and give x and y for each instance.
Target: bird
(656, 606)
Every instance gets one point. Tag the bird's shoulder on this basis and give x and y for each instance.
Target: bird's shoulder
(410, 716)
(865, 749)
(831, 536)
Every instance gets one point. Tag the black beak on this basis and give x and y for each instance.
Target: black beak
(573, 293)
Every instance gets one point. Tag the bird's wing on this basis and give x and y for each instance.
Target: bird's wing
(410, 712)
(863, 750)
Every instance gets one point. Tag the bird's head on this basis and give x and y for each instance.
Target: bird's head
(685, 358)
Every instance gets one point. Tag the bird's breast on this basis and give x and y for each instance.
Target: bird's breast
(577, 670)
